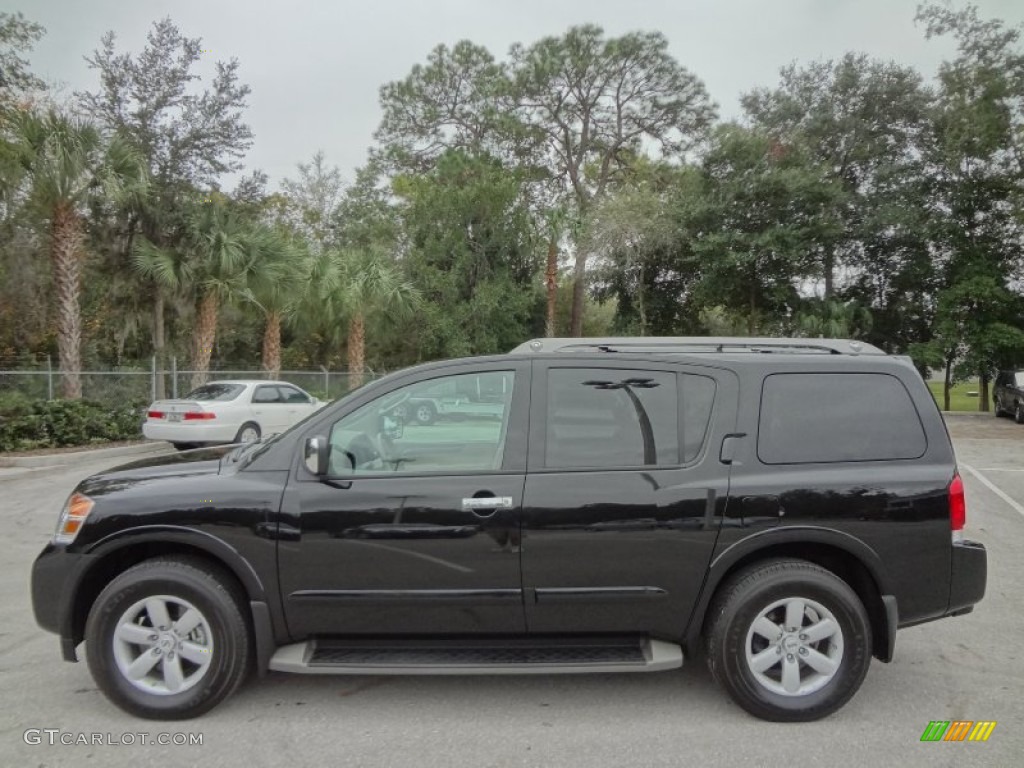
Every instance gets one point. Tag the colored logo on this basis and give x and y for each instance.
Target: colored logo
(958, 730)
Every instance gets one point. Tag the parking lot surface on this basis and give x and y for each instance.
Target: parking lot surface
(967, 668)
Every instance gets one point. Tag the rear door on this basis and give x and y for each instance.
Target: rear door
(298, 405)
(269, 409)
(625, 493)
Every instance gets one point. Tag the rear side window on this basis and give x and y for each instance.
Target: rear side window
(604, 418)
(292, 395)
(266, 395)
(829, 417)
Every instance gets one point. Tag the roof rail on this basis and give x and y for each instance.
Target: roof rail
(697, 345)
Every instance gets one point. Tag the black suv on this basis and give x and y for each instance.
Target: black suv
(783, 506)
(1008, 395)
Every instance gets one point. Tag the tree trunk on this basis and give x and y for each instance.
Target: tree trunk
(640, 302)
(66, 257)
(947, 383)
(158, 341)
(752, 318)
(579, 276)
(983, 391)
(829, 277)
(551, 279)
(356, 350)
(205, 333)
(272, 344)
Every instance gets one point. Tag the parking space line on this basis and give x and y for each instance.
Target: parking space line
(998, 469)
(994, 488)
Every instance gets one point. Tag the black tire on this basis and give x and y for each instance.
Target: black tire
(244, 427)
(197, 584)
(743, 599)
(424, 413)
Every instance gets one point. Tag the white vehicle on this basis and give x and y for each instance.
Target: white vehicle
(235, 411)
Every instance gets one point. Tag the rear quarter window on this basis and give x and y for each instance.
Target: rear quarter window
(834, 417)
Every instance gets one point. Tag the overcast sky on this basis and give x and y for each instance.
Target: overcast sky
(315, 66)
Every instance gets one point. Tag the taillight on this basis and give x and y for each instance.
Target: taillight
(957, 508)
(199, 416)
(155, 414)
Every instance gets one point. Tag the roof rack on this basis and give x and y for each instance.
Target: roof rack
(698, 345)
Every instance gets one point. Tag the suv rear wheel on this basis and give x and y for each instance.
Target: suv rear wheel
(788, 640)
(167, 639)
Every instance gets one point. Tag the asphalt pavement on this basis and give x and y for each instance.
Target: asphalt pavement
(966, 668)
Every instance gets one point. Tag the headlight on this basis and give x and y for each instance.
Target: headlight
(76, 509)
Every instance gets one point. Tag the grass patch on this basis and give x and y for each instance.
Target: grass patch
(959, 400)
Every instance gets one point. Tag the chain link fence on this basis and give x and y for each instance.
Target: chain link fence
(140, 383)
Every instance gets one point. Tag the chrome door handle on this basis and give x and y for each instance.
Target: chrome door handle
(485, 503)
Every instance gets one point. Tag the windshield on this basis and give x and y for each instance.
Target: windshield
(218, 392)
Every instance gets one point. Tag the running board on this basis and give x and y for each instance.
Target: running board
(516, 656)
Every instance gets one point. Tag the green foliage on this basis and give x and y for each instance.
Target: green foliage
(25, 425)
(17, 36)
(853, 199)
(472, 253)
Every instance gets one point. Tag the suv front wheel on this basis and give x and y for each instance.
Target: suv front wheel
(788, 640)
(167, 639)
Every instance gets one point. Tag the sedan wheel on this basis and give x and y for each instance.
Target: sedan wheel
(248, 433)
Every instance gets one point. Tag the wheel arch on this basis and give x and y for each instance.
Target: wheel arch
(113, 556)
(845, 556)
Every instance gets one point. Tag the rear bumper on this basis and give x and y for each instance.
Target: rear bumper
(190, 432)
(969, 575)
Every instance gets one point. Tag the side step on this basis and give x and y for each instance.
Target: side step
(497, 656)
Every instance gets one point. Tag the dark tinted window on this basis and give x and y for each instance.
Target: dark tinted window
(698, 396)
(221, 392)
(611, 418)
(827, 417)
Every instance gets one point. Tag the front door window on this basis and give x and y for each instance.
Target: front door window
(450, 425)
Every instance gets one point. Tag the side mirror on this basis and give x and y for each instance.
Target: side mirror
(317, 454)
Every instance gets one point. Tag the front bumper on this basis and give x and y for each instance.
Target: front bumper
(969, 575)
(56, 574)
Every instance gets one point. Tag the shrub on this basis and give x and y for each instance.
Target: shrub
(56, 423)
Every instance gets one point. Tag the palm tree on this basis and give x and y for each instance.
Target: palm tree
(373, 284)
(277, 287)
(67, 162)
(354, 285)
(216, 259)
(831, 318)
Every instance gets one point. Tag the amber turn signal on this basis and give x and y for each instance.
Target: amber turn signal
(72, 517)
